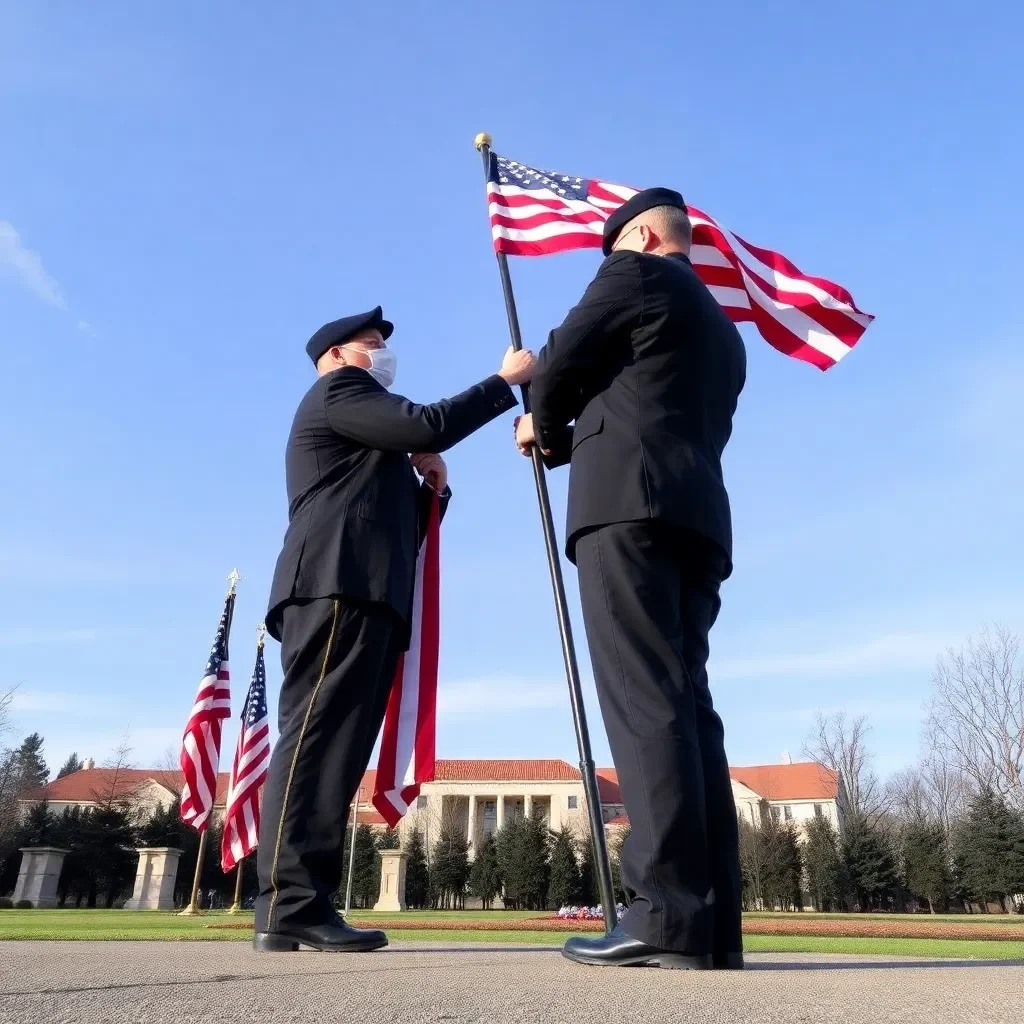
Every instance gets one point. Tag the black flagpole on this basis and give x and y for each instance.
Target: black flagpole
(572, 674)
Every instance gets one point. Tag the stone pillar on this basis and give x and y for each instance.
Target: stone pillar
(527, 806)
(499, 810)
(38, 875)
(471, 830)
(392, 880)
(154, 879)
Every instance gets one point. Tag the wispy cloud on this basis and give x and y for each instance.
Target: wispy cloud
(892, 651)
(485, 696)
(26, 267)
(28, 636)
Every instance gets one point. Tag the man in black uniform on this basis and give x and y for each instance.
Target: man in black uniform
(650, 369)
(341, 605)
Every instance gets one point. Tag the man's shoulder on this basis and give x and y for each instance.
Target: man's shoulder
(623, 261)
(348, 379)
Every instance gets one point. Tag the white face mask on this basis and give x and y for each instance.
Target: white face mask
(383, 365)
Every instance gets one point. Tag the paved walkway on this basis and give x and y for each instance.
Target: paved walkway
(226, 982)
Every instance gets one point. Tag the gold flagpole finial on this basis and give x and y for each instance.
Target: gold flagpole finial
(233, 578)
(261, 632)
(483, 139)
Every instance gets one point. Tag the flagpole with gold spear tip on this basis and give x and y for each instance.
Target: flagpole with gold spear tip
(579, 714)
(193, 903)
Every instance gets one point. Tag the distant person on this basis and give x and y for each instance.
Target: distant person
(341, 605)
(649, 368)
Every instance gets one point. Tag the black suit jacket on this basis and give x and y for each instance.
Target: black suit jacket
(650, 368)
(353, 497)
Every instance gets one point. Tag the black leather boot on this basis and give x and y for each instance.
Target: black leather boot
(621, 950)
(330, 937)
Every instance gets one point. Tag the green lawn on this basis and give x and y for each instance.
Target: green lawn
(122, 924)
(1012, 920)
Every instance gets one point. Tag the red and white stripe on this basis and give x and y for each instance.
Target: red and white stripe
(200, 748)
(245, 786)
(410, 724)
(808, 318)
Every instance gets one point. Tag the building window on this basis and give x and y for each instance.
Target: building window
(573, 803)
(421, 802)
(817, 810)
(776, 813)
(788, 812)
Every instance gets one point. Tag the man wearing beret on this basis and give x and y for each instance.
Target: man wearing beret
(649, 369)
(341, 606)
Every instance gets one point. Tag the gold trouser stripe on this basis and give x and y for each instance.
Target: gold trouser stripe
(291, 769)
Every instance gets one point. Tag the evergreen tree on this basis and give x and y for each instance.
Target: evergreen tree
(165, 828)
(868, 862)
(417, 884)
(926, 864)
(389, 840)
(39, 827)
(484, 874)
(30, 766)
(791, 867)
(104, 857)
(589, 892)
(989, 847)
(823, 864)
(615, 855)
(70, 766)
(536, 839)
(509, 844)
(366, 871)
(564, 887)
(772, 859)
(450, 868)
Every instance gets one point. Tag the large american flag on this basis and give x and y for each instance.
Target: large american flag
(200, 748)
(248, 772)
(536, 212)
(409, 734)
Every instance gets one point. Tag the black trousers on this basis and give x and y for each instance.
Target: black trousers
(650, 595)
(339, 662)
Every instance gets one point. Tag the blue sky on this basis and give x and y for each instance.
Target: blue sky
(186, 194)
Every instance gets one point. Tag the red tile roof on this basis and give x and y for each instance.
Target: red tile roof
(93, 784)
(608, 786)
(804, 780)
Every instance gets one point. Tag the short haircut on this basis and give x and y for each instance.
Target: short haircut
(672, 223)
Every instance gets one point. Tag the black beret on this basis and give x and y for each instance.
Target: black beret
(642, 201)
(337, 332)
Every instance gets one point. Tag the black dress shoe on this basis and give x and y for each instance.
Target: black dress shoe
(622, 950)
(332, 937)
(728, 961)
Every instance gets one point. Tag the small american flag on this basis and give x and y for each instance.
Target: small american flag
(200, 749)
(534, 213)
(248, 772)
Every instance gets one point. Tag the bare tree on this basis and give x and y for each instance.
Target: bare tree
(168, 761)
(976, 713)
(116, 765)
(840, 744)
(6, 699)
